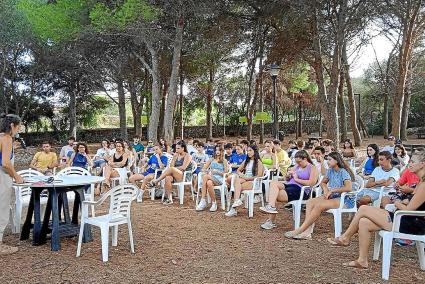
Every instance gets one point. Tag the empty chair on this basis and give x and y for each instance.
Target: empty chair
(119, 213)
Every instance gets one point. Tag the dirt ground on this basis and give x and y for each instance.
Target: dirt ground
(176, 244)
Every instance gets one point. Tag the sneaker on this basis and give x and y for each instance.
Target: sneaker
(202, 205)
(213, 207)
(257, 199)
(167, 201)
(231, 213)
(269, 209)
(403, 242)
(237, 203)
(268, 225)
(140, 196)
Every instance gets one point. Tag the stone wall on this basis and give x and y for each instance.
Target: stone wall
(96, 135)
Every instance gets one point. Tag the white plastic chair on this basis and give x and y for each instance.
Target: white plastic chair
(22, 199)
(187, 181)
(386, 237)
(157, 171)
(256, 189)
(119, 213)
(297, 204)
(77, 171)
(222, 188)
(337, 212)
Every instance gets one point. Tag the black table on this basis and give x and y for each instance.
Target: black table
(57, 200)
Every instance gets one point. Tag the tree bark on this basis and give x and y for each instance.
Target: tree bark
(73, 113)
(136, 108)
(210, 94)
(121, 109)
(341, 107)
(300, 118)
(163, 90)
(181, 124)
(351, 100)
(173, 85)
(406, 107)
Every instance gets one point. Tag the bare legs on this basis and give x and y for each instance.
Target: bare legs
(169, 175)
(366, 221)
(208, 185)
(276, 193)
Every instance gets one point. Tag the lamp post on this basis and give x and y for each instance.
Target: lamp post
(273, 70)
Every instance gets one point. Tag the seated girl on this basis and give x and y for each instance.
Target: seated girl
(246, 173)
(338, 179)
(369, 219)
(118, 160)
(157, 161)
(181, 162)
(80, 157)
(217, 166)
(348, 152)
(303, 174)
(371, 161)
(400, 158)
(268, 157)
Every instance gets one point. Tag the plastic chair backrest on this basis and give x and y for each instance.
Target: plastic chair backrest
(121, 199)
(74, 171)
(26, 191)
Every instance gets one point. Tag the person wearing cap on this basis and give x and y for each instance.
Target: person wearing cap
(390, 146)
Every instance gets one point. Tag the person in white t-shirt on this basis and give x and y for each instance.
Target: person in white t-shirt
(319, 160)
(67, 150)
(384, 175)
(390, 146)
(101, 155)
(191, 149)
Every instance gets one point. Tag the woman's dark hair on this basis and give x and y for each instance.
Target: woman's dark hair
(348, 141)
(375, 156)
(182, 144)
(252, 142)
(6, 120)
(341, 163)
(256, 158)
(82, 144)
(302, 154)
(121, 143)
(403, 150)
(107, 142)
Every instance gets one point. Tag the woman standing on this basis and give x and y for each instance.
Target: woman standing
(9, 127)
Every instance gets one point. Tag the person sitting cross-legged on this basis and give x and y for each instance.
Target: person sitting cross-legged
(157, 161)
(303, 174)
(181, 162)
(371, 219)
(384, 175)
(338, 179)
(217, 166)
(243, 179)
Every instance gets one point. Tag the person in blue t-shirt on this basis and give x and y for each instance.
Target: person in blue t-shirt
(138, 147)
(157, 161)
(210, 148)
(237, 159)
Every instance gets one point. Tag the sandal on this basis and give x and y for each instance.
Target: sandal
(5, 249)
(354, 264)
(336, 242)
(290, 234)
(303, 236)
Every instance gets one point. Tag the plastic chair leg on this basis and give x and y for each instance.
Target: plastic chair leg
(420, 247)
(181, 194)
(250, 198)
(17, 219)
(297, 214)
(130, 235)
(387, 241)
(223, 199)
(377, 246)
(115, 236)
(337, 223)
(80, 238)
(104, 232)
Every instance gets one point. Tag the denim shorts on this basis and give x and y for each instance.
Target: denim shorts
(349, 200)
(373, 194)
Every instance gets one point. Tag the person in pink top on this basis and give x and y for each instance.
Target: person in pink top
(405, 187)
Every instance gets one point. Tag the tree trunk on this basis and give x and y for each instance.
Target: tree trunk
(181, 106)
(341, 107)
(210, 91)
(406, 107)
(173, 85)
(405, 54)
(136, 108)
(351, 100)
(121, 109)
(163, 90)
(72, 113)
(300, 118)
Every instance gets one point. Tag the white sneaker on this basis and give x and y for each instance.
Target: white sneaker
(268, 225)
(213, 207)
(231, 213)
(202, 205)
(139, 198)
(237, 203)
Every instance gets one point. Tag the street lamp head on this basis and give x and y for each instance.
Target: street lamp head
(273, 70)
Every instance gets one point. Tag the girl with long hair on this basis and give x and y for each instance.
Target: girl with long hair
(245, 175)
(80, 158)
(348, 151)
(181, 162)
(371, 162)
(268, 156)
(217, 166)
(400, 157)
(303, 174)
(338, 179)
(118, 160)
